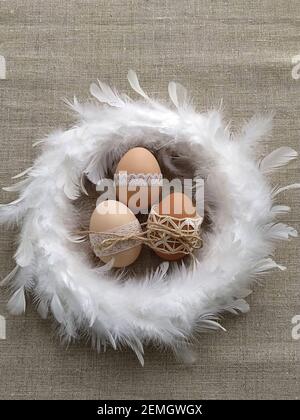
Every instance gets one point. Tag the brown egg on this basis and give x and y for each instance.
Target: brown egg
(137, 193)
(114, 216)
(177, 205)
(180, 206)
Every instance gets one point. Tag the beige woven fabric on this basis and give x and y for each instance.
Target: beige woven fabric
(241, 51)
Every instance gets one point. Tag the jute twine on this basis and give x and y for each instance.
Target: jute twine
(171, 235)
(165, 234)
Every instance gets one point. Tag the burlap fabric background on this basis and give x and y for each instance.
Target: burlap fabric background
(241, 51)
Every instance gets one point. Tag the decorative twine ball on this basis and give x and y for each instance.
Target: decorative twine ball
(174, 227)
(138, 178)
(110, 220)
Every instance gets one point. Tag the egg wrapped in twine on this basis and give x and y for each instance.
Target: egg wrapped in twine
(173, 227)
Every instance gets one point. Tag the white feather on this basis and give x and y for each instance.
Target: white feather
(243, 293)
(286, 188)
(18, 186)
(17, 303)
(25, 250)
(105, 267)
(69, 179)
(12, 203)
(135, 85)
(82, 186)
(37, 143)
(185, 354)
(104, 93)
(12, 214)
(10, 276)
(281, 231)
(277, 158)
(178, 94)
(57, 309)
(255, 129)
(24, 277)
(43, 309)
(111, 340)
(25, 172)
(137, 348)
(267, 264)
(238, 305)
(209, 324)
(279, 209)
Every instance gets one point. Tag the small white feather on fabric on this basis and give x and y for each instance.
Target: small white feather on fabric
(134, 83)
(267, 264)
(23, 173)
(238, 305)
(277, 158)
(279, 190)
(17, 303)
(18, 186)
(10, 276)
(280, 209)
(12, 204)
(178, 94)
(106, 94)
(281, 231)
(209, 324)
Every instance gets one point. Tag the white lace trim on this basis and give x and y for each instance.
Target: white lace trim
(96, 239)
(124, 179)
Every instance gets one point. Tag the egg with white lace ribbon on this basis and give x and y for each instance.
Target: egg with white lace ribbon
(114, 233)
(138, 180)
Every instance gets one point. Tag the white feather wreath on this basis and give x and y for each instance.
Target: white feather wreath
(168, 304)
